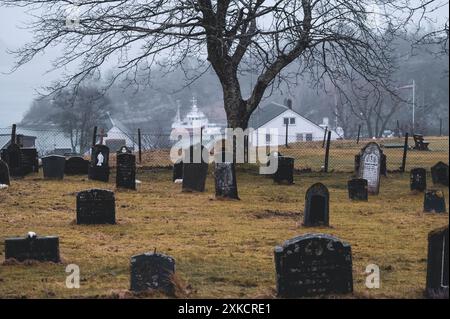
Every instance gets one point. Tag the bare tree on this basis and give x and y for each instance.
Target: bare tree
(333, 39)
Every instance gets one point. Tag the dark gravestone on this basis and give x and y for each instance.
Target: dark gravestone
(177, 171)
(99, 165)
(383, 167)
(317, 206)
(32, 248)
(126, 171)
(53, 166)
(285, 170)
(357, 189)
(123, 150)
(418, 179)
(225, 177)
(4, 173)
(313, 264)
(76, 166)
(30, 160)
(370, 167)
(437, 264)
(153, 271)
(195, 169)
(434, 201)
(96, 206)
(13, 157)
(439, 173)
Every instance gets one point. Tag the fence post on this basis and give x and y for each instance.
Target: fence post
(245, 148)
(94, 136)
(405, 152)
(287, 132)
(327, 153)
(359, 134)
(140, 145)
(13, 134)
(324, 136)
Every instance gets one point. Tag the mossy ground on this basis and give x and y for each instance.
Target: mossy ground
(222, 248)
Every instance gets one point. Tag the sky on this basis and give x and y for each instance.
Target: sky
(17, 90)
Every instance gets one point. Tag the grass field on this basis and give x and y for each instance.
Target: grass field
(222, 248)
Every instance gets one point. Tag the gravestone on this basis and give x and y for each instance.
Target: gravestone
(13, 157)
(99, 165)
(32, 247)
(285, 170)
(76, 165)
(418, 179)
(225, 176)
(124, 150)
(96, 206)
(439, 173)
(126, 171)
(312, 265)
(53, 166)
(434, 201)
(4, 173)
(30, 160)
(177, 171)
(383, 167)
(153, 271)
(437, 264)
(370, 166)
(195, 169)
(317, 206)
(357, 189)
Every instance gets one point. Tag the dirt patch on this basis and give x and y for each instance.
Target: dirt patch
(277, 214)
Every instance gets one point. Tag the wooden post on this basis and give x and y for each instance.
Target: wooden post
(405, 152)
(13, 134)
(359, 134)
(94, 136)
(327, 153)
(245, 148)
(287, 132)
(324, 136)
(140, 145)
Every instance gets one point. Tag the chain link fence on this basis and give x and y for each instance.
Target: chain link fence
(309, 155)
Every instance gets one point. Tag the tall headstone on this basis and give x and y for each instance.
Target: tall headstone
(195, 169)
(177, 171)
(76, 165)
(53, 166)
(225, 176)
(418, 179)
(126, 171)
(153, 271)
(33, 247)
(317, 201)
(439, 173)
(285, 170)
(437, 265)
(383, 164)
(312, 265)
(30, 160)
(96, 206)
(99, 165)
(13, 157)
(434, 201)
(370, 167)
(357, 189)
(4, 173)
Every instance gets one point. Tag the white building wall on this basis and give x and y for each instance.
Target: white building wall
(278, 129)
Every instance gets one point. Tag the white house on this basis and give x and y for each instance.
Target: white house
(118, 136)
(269, 123)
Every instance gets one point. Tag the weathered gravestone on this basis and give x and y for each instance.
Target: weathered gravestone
(225, 176)
(96, 206)
(99, 165)
(53, 166)
(383, 163)
(195, 169)
(13, 157)
(313, 264)
(76, 165)
(418, 179)
(434, 201)
(317, 206)
(30, 160)
(126, 171)
(123, 150)
(357, 189)
(4, 173)
(437, 264)
(32, 247)
(285, 170)
(439, 174)
(177, 171)
(370, 166)
(153, 271)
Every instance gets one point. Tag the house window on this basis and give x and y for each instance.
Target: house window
(299, 137)
(292, 121)
(268, 138)
(309, 137)
(289, 120)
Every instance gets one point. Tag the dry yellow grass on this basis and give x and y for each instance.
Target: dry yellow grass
(222, 248)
